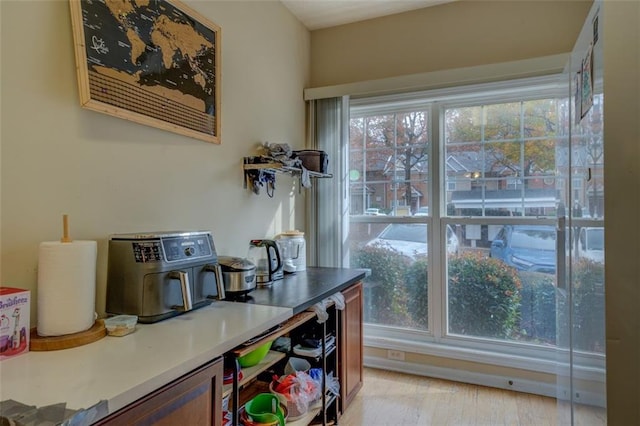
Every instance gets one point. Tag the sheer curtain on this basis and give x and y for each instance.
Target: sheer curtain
(328, 204)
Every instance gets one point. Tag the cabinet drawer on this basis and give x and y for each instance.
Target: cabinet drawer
(194, 399)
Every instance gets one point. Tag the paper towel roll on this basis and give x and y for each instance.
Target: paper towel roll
(66, 287)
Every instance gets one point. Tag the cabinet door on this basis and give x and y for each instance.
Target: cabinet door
(194, 399)
(351, 345)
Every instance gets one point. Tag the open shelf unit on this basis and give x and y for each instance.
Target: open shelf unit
(250, 373)
(241, 391)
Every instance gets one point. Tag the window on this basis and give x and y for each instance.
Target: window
(468, 185)
(388, 162)
(389, 175)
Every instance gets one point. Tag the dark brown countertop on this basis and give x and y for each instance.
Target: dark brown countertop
(301, 290)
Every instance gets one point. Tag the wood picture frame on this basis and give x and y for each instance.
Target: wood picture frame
(154, 62)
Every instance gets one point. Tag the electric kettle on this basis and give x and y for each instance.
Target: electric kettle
(266, 256)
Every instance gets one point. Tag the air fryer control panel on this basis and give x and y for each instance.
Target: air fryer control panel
(182, 248)
(149, 248)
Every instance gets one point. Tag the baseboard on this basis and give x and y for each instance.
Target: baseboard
(497, 381)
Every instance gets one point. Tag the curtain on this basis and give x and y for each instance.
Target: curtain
(328, 204)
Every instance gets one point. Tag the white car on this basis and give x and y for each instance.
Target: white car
(591, 244)
(410, 239)
(373, 212)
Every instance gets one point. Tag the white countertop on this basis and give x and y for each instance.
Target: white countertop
(120, 370)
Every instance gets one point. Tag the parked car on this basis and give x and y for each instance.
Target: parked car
(591, 244)
(410, 239)
(422, 211)
(526, 247)
(373, 212)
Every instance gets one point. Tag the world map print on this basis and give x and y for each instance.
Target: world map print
(152, 58)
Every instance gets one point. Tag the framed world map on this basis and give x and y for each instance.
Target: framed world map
(154, 62)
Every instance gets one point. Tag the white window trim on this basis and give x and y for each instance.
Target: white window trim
(511, 354)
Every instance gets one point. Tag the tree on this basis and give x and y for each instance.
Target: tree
(397, 144)
(412, 141)
(504, 128)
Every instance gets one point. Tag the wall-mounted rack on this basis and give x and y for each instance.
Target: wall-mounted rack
(274, 167)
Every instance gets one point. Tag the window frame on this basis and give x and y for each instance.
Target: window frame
(436, 341)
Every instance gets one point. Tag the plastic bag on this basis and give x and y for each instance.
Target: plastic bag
(332, 383)
(299, 389)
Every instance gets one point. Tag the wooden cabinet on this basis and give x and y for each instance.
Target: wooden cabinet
(351, 345)
(342, 358)
(194, 399)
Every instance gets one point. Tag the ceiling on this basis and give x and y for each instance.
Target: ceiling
(317, 14)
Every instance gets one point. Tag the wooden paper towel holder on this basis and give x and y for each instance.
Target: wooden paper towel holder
(54, 343)
(66, 341)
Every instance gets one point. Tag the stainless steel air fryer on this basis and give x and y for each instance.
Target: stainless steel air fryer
(160, 275)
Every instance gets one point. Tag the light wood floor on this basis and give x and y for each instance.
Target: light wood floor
(395, 399)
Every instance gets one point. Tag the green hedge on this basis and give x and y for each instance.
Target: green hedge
(545, 314)
(484, 297)
(538, 308)
(417, 293)
(385, 293)
(588, 306)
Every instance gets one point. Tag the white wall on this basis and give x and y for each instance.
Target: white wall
(113, 176)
